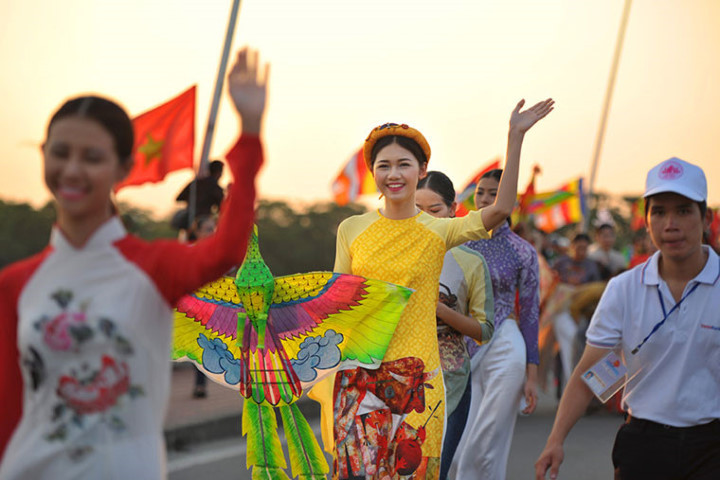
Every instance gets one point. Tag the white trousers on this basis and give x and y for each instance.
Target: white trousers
(497, 379)
(565, 331)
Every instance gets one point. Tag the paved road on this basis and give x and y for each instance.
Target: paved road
(223, 457)
(587, 450)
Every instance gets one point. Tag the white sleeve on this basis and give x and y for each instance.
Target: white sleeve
(605, 330)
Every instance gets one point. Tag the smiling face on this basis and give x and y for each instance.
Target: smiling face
(397, 171)
(676, 226)
(486, 192)
(431, 202)
(81, 167)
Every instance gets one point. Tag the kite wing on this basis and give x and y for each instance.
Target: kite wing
(205, 329)
(328, 321)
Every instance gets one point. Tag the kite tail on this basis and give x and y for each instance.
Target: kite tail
(264, 453)
(271, 377)
(306, 458)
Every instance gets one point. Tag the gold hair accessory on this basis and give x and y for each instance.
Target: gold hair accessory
(400, 130)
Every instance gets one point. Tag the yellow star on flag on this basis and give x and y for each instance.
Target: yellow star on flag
(152, 149)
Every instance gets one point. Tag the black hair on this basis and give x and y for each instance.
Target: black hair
(111, 116)
(216, 168)
(581, 237)
(495, 173)
(604, 226)
(439, 183)
(701, 205)
(405, 142)
(197, 225)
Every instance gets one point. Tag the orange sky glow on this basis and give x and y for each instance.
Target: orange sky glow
(452, 69)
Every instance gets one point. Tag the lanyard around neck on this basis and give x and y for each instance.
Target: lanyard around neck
(665, 314)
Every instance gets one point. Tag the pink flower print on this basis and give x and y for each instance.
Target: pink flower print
(56, 332)
(100, 393)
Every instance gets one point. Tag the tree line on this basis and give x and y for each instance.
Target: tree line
(292, 240)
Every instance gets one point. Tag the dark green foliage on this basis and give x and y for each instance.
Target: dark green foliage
(292, 240)
(24, 231)
(140, 222)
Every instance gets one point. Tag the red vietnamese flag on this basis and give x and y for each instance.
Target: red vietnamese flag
(164, 140)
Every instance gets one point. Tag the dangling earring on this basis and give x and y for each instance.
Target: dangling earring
(381, 196)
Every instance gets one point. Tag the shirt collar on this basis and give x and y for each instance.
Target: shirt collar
(709, 274)
(503, 229)
(108, 233)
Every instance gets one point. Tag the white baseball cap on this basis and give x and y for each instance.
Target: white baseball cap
(677, 176)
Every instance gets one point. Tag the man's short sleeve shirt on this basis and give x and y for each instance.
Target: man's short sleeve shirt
(675, 376)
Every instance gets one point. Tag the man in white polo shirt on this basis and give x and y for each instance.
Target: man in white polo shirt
(665, 316)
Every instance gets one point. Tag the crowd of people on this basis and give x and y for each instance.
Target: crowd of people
(88, 321)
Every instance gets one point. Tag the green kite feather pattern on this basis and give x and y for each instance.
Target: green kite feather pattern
(306, 457)
(264, 452)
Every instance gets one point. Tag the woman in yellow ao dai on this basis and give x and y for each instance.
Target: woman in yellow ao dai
(388, 422)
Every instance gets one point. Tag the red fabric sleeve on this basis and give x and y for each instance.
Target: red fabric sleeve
(178, 269)
(12, 281)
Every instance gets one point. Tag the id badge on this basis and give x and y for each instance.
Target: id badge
(606, 377)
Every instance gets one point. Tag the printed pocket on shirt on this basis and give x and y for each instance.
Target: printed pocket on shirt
(712, 328)
(709, 336)
(709, 333)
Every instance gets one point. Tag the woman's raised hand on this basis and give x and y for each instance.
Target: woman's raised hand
(248, 89)
(522, 121)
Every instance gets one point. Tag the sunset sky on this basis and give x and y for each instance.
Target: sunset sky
(453, 69)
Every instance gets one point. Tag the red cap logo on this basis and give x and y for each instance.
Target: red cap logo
(670, 170)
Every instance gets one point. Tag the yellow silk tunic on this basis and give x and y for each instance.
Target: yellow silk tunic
(410, 252)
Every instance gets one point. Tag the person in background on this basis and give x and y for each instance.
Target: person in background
(548, 277)
(504, 371)
(664, 318)
(573, 271)
(208, 196)
(643, 248)
(465, 310)
(577, 268)
(610, 260)
(559, 247)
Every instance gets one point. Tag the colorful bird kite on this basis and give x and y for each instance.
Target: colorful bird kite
(273, 338)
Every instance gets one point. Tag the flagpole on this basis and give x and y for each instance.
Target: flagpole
(210, 128)
(606, 107)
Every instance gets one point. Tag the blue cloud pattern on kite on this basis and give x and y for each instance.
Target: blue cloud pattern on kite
(217, 359)
(317, 353)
